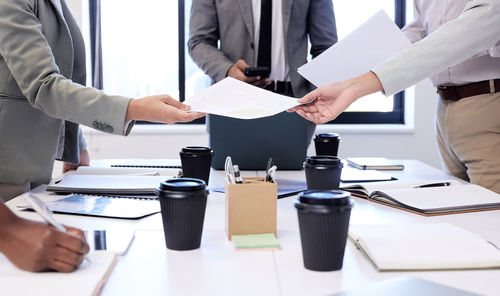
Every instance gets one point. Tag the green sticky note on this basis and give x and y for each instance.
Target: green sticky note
(255, 241)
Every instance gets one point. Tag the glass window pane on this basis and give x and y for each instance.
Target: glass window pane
(140, 47)
(349, 16)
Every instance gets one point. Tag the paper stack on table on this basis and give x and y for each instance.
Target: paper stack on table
(88, 279)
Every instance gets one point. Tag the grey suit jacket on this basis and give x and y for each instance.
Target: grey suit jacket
(231, 22)
(42, 69)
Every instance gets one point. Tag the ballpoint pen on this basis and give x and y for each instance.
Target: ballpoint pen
(270, 163)
(237, 174)
(229, 170)
(270, 174)
(43, 210)
(439, 184)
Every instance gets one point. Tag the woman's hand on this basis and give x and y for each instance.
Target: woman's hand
(160, 108)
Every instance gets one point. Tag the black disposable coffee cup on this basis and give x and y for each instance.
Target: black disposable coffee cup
(183, 202)
(323, 223)
(196, 162)
(323, 172)
(327, 144)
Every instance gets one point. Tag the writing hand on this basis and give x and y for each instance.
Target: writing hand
(35, 246)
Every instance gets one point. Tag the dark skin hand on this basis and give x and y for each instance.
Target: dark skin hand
(236, 71)
(35, 246)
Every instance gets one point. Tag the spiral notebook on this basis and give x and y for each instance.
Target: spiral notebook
(125, 207)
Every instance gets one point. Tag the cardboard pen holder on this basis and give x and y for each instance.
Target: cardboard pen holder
(251, 207)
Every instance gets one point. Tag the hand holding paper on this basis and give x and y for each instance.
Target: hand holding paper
(327, 102)
(346, 76)
(233, 98)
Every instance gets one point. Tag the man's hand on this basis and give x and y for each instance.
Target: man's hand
(84, 161)
(327, 102)
(236, 71)
(160, 108)
(35, 246)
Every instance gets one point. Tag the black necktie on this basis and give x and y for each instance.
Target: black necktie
(266, 16)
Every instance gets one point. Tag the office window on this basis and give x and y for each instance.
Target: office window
(375, 108)
(144, 52)
(140, 47)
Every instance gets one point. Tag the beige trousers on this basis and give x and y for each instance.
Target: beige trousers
(468, 137)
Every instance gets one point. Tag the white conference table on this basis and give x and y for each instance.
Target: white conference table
(216, 268)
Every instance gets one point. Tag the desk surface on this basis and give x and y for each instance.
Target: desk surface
(150, 269)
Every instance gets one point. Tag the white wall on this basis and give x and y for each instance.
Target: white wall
(414, 142)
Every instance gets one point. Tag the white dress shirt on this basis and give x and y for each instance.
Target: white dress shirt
(429, 16)
(279, 67)
(460, 43)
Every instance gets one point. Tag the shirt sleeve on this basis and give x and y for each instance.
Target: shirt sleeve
(449, 45)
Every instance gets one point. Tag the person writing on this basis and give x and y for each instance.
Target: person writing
(42, 97)
(35, 246)
(459, 48)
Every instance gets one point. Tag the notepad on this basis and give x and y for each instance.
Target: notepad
(423, 247)
(374, 163)
(429, 197)
(88, 279)
(266, 241)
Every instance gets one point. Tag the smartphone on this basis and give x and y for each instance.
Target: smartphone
(117, 241)
(263, 72)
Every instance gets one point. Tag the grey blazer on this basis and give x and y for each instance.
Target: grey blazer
(231, 22)
(42, 69)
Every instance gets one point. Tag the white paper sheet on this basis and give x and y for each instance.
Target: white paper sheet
(369, 45)
(233, 98)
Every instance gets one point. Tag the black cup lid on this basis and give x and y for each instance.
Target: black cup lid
(323, 160)
(324, 197)
(182, 184)
(327, 137)
(197, 150)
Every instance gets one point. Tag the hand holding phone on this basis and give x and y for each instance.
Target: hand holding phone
(263, 72)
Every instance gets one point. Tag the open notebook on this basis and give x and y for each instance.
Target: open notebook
(429, 198)
(88, 279)
(424, 247)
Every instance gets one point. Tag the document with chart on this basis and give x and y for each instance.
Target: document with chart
(233, 98)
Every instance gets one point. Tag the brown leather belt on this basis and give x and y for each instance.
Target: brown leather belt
(455, 93)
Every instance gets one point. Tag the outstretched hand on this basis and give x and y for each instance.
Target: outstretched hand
(160, 108)
(327, 102)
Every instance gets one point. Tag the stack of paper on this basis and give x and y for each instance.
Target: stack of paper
(108, 184)
(88, 279)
